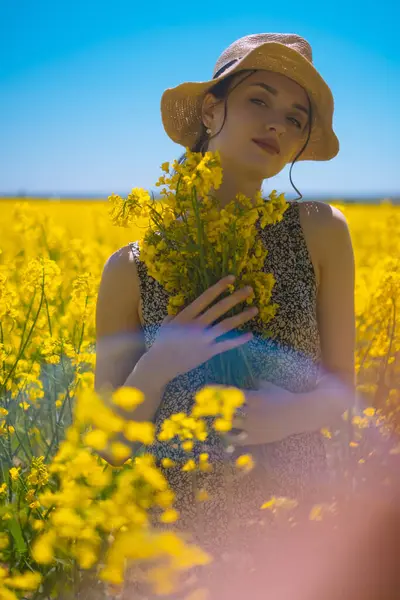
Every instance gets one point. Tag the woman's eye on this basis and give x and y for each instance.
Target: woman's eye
(257, 100)
(297, 122)
(299, 125)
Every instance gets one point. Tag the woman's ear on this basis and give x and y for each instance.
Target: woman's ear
(208, 109)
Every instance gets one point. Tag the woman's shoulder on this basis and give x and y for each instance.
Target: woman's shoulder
(324, 227)
(320, 214)
(121, 259)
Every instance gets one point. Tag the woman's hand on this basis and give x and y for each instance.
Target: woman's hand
(260, 424)
(190, 338)
(274, 413)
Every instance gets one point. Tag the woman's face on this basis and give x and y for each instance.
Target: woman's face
(258, 111)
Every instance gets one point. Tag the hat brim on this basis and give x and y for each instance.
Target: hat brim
(181, 105)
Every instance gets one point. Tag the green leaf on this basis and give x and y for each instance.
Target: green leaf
(15, 531)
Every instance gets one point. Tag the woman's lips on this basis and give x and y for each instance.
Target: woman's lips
(266, 148)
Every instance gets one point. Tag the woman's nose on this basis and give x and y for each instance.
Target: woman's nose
(278, 126)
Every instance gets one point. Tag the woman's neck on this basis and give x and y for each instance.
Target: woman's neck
(228, 191)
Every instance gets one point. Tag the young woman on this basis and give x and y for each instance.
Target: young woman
(266, 107)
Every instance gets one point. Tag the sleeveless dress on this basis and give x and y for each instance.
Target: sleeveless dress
(229, 524)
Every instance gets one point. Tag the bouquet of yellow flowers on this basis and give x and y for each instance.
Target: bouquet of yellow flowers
(189, 242)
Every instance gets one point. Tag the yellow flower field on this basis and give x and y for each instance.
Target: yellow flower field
(79, 237)
(51, 258)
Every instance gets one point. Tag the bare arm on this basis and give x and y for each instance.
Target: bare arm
(336, 299)
(274, 413)
(119, 335)
(121, 358)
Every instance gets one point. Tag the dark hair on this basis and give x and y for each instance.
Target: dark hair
(221, 91)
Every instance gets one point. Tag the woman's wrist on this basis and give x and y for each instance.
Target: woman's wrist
(149, 372)
(151, 368)
(144, 377)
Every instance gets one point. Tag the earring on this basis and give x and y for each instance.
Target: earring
(208, 131)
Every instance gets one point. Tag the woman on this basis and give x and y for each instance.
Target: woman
(265, 107)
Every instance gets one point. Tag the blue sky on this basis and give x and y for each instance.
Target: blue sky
(81, 82)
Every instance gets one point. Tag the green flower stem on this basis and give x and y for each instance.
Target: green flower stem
(58, 424)
(22, 446)
(9, 465)
(27, 319)
(200, 234)
(23, 345)
(48, 315)
(22, 483)
(27, 434)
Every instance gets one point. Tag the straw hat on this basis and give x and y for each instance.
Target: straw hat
(285, 53)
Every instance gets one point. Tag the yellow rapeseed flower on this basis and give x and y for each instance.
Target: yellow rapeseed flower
(24, 581)
(127, 398)
(318, 511)
(42, 549)
(39, 474)
(67, 521)
(112, 574)
(143, 432)
(168, 463)
(326, 432)
(278, 502)
(187, 446)
(222, 425)
(245, 461)
(96, 439)
(165, 498)
(145, 467)
(361, 422)
(120, 451)
(169, 516)
(202, 495)
(4, 541)
(85, 554)
(14, 473)
(7, 516)
(190, 465)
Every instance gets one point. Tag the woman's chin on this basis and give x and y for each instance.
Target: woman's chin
(255, 166)
(266, 168)
(265, 171)
(272, 172)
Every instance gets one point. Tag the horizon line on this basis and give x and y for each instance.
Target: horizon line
(104, 196)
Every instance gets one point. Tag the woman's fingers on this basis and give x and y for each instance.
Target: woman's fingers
(195, 308)
(234, 321)
(224, 305)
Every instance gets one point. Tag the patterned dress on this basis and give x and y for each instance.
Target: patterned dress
(230, 524)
